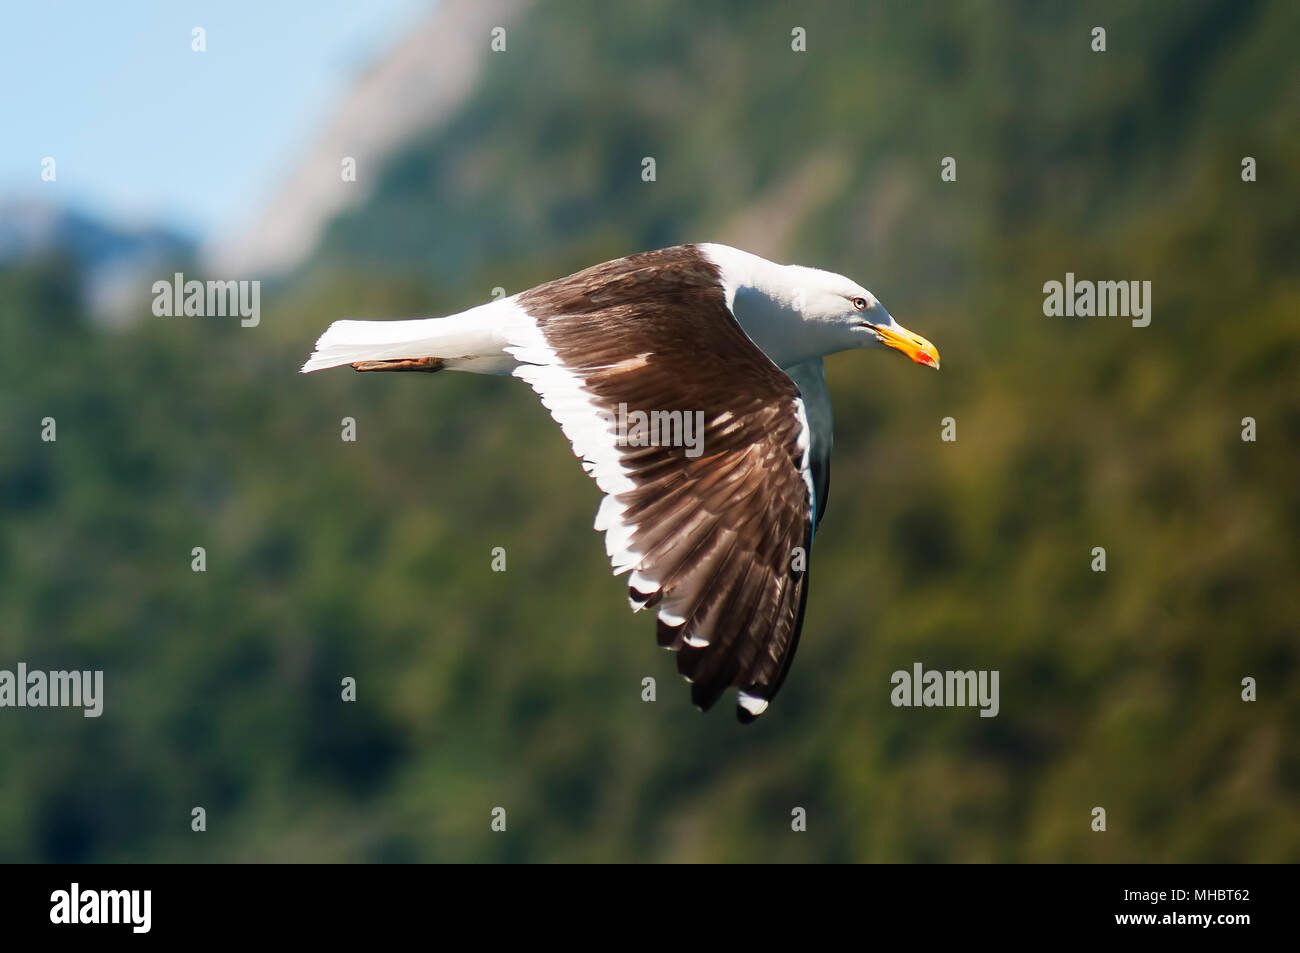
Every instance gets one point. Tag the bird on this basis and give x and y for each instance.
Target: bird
(712, 514)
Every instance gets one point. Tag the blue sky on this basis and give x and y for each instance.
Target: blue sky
(144, 130)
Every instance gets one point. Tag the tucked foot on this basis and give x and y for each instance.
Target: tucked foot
(426, 364)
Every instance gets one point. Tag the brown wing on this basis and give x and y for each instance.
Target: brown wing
(709, 530)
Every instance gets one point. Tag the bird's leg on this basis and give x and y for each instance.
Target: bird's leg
(427, 364)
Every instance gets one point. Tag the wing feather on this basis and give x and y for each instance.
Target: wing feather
(708, 537)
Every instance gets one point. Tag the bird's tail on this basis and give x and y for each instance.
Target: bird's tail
(355, 342)
(425, 344)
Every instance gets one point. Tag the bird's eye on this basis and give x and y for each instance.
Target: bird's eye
(860, 304)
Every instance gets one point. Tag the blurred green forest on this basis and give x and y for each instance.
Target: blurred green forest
(522, 689)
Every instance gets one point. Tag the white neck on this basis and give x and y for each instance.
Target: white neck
(761, 294)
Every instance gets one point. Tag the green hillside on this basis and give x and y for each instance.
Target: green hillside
(372, 560)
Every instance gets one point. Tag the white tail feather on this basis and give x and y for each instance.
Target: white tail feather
(345, 342)
(476, 333)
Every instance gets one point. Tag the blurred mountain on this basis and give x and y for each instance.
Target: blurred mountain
(30, 229)
(416, 87)
(372, 559)
(116, 265)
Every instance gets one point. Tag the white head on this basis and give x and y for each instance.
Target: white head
(852, 316)
(795, 313)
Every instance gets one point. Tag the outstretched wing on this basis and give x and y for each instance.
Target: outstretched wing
(715, 529)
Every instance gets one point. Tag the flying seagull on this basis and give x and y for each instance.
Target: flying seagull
(716, 532)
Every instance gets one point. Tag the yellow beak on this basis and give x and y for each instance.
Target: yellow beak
(913, 345)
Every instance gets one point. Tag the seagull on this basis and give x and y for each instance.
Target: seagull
(690, 383)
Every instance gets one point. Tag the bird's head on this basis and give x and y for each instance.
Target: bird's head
(854, 316)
